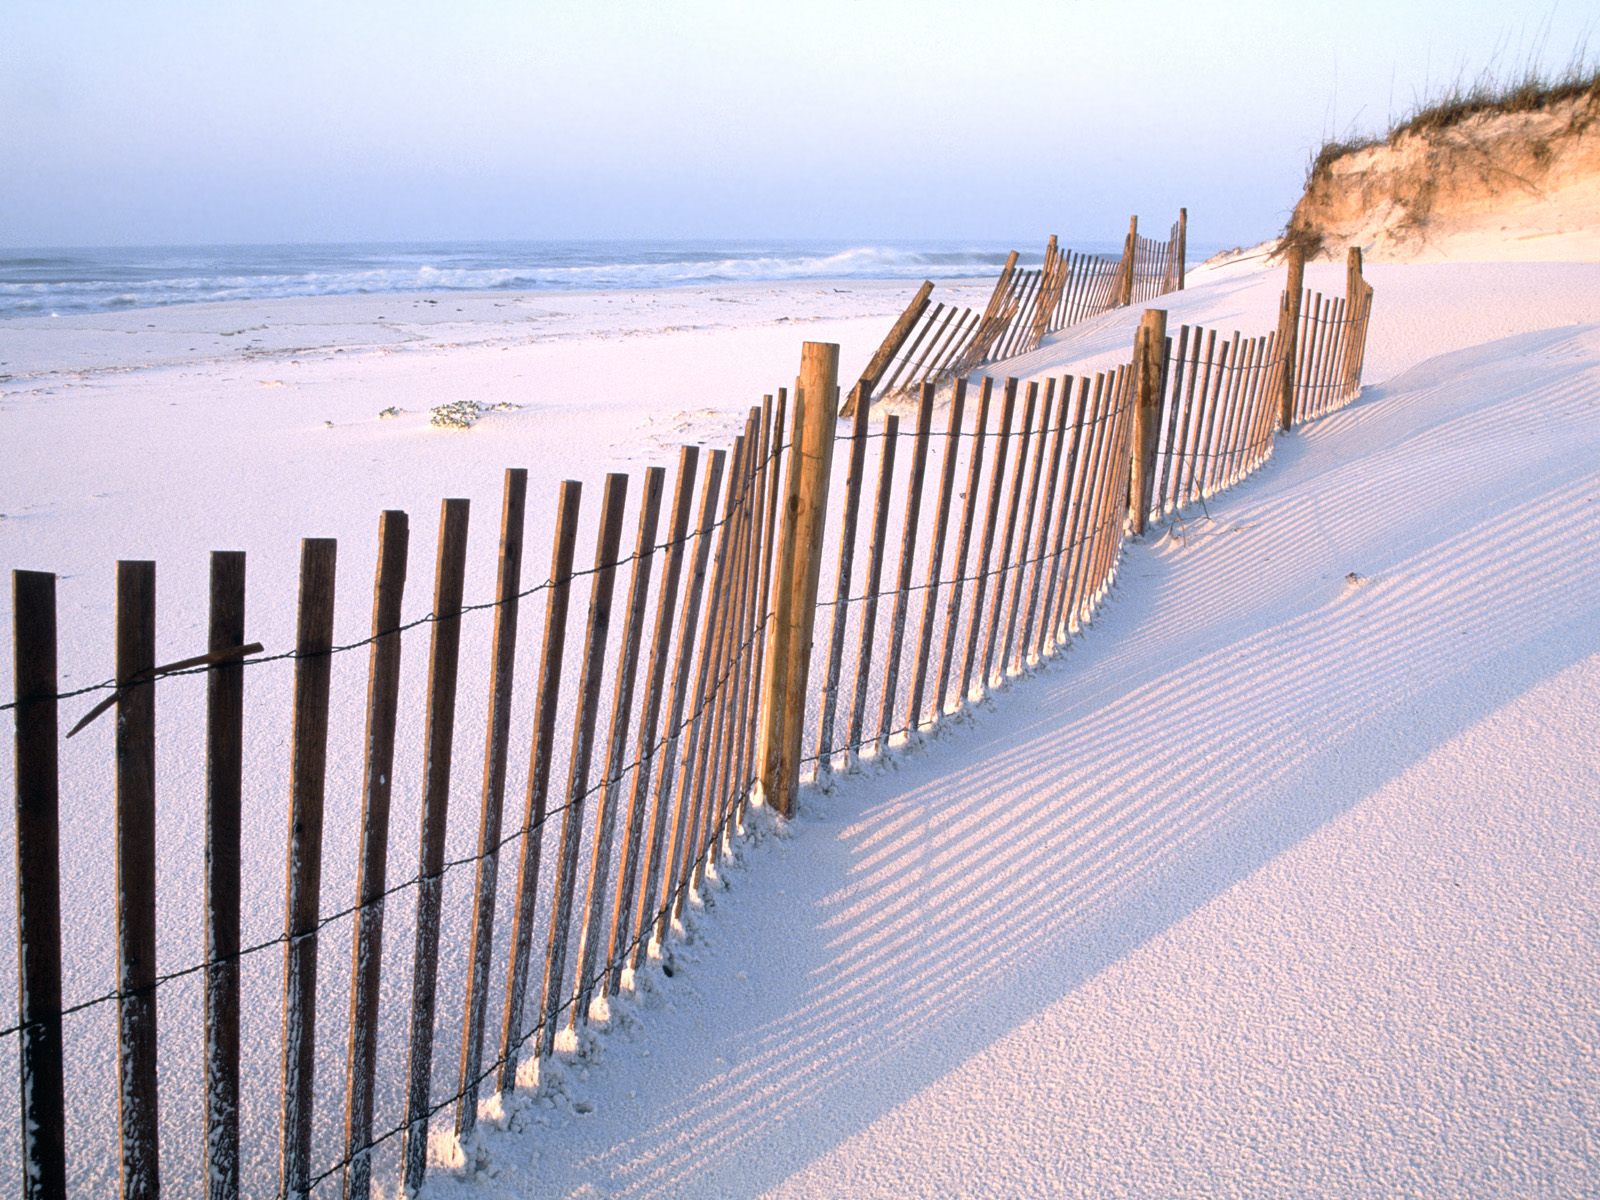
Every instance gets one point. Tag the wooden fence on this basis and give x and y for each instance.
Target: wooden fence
(935, 342)
(744, 639)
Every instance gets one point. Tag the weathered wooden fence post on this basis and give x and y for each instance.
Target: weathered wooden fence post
(43, 1132)
(1289, 333)
(366, 957)
(307, 784)
(224, 791)
(798, 566)
(136, 879)
(1130, 250)
(1149, 349)
(1183, 243)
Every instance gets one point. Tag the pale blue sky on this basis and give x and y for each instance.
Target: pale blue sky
(172, 121)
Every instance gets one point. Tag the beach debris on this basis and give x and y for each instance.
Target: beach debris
(391, 411)
(458, 414)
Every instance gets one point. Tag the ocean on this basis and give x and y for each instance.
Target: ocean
(60, 282)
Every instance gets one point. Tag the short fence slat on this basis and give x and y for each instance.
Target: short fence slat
(718, 792)
(38, 813)
(869, 611)
(366, 967)
(1239, 360)
(136, 878)
(908, 556)
(1027, 648)
(1007, 553)
(1226, 356)
(1086, 512)
(443, 657)
(503, 657)
(650, 718)
(1030, 509)
(1201, 407)
(591, 671)
(952, 611)
(536, 797)
(991, 519)
(307, 782)
(590, 934)
(656, 849)
(702, 760)
(746, 693)
(941, 526)
(1175, 414)
(834, 662)
(224, 788)
(1071, 489)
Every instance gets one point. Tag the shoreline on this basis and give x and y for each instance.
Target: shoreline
(38, 346)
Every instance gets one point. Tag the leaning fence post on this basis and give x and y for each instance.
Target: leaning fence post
(1130, 248)
(884, 355)
(1149, 349)
(33, 614)
(788, 654)
(1288, 334)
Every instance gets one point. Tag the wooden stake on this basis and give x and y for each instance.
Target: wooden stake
(698, 757)
(224, 788)
(869, 613)
(794, 622)
(590, 676)
(1027, 649)
(1148, 355)
(885, 353)
(541, 751)
(1183, 245)
(1007, 541)
(952, 615)
(1288, 334)
(656, 852)
(1007, 662)
(443, 657)
(1130, 252)
(366, 966)
(508, 584)
(991, 519)
(313, 669)
(941, 524)
(841, 591)
(38, 802)
(1071, 494)
(617, 739)
(908, 555)
(650, 719)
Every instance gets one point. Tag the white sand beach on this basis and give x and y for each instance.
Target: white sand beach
(1280, 881)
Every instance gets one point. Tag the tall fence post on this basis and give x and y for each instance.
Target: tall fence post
(1149, 348)
(43, 1108)
(1130, 249)
(798, 566)
(1289, 334)
(1183, 243)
